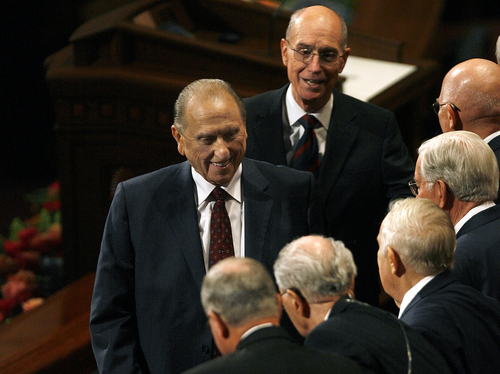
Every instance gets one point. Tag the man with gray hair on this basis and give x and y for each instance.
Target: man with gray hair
(165, 229)
(416, 250)
(470, 101)
(459, 172)
(315, 276)
(243, 308)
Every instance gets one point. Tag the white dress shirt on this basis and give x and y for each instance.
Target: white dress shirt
(234, 207)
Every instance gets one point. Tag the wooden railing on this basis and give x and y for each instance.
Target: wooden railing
(53, 338)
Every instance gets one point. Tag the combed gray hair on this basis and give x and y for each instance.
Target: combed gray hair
(299, 12)
(421, 233)
(498, 50)
(465, 162)
(200, 90)
(318, 268)
(239, 290)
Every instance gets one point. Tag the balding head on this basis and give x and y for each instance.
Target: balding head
(474, 87)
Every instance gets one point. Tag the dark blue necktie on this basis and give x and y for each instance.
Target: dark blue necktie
(306, 154)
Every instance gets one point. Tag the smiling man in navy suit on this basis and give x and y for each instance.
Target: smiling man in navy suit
(363, 162)
(146, 313)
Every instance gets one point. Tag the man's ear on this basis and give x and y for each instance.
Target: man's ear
(178, 138)
(397, 266)
(284, 51)
(444, 196)
(280, 306)
(453, 119)
(217, 326)
(299, 304)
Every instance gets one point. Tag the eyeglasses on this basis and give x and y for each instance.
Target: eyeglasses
(306, 55)
(414, 187)
(436, 106)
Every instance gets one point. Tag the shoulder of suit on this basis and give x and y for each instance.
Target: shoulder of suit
(280, 171)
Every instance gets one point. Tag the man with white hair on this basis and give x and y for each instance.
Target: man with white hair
(316, 280)
(470, 101)
(459, 172)
(243, 309)
(416, 250)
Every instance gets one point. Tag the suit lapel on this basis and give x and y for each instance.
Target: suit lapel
(340, 138)
(269, 129)
(176, 204)
(258, 205)
(480, 219)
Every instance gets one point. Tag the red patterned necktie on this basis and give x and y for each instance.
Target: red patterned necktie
(221, 238)
(306, 154)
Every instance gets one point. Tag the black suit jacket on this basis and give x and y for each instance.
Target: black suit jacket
(365, 165)
(271, 350)
(477, 256)
(495, 146)
(146, 313)
(374, 338)
(461, 323)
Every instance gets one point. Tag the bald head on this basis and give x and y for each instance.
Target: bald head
(474, 87)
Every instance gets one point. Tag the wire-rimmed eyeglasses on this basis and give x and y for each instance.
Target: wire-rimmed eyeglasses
(436, 106)
(306, 54)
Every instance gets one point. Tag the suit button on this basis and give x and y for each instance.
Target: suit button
(205, 349)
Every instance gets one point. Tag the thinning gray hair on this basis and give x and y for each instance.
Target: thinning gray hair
(299, 12)
(465, 162)
(320, 268)
(239, 290)
(421, 233)
(200, 90)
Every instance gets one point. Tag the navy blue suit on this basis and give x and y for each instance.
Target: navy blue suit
(461, 322)
(146, 313)
(477, 257)
(365, 165)
(270, 350)
(495, 146)
(374, 338)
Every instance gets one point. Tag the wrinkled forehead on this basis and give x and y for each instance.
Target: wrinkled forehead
(323, 31)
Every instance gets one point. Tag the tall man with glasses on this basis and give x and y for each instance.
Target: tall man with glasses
(363, 162)
(470, 100)
(459, 172)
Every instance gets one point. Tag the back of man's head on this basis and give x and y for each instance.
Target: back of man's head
(240, 290)
(319, 268)
(421, 233)
(474, 87)
(464, 162)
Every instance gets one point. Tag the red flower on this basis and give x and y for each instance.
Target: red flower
(6, 306)
(20, 286)
(13, 247)
(52, 205)
(27, 233)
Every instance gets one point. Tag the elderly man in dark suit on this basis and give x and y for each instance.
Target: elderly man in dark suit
(459, 172)
(161, 236)
(417, 243)
(357, 150)
(243, 309)
(315, 276)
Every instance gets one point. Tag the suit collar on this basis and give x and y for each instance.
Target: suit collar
(482, 218)
(180, 213)
(272, 332)
(440, 281)
(258, 205)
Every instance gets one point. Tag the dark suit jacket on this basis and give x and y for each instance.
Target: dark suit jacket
(461, 322)
(146, 313)
(365, 165)
(495, 146)
(477, 256)
(374, 338)
(271, 351)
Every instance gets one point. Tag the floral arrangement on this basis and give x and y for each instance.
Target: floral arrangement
(31, 264)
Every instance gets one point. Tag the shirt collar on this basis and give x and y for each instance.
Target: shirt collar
(489, 138)
(255, 328)
(204, 188)
(295, 111)
(471, 213)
